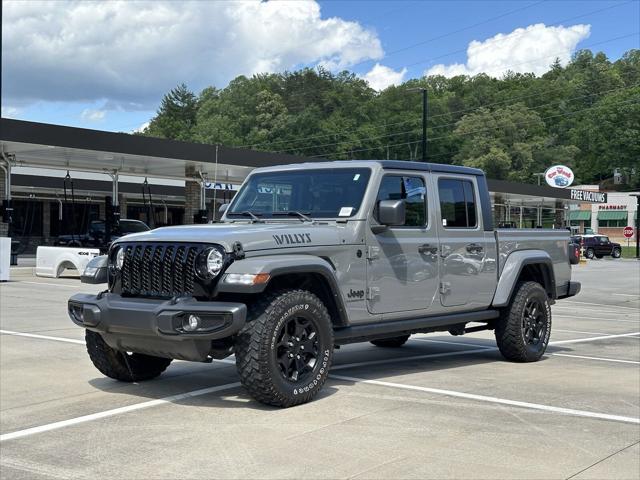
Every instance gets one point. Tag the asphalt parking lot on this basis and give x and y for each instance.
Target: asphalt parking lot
(439, 407)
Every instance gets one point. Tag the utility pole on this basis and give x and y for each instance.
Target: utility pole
(425, 113)
(424, 124)
(637, 225)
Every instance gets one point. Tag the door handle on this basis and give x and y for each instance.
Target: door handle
(474, 248)
(426, 248)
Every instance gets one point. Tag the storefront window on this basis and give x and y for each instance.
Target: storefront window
(27, 218)
(612, 223)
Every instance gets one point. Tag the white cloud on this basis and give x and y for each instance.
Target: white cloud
(141, 128)
(91, 115)
(9, 112)
(130, 53)
(381, 77)
(531, 49)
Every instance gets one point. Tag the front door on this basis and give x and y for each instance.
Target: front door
(462, 240)
(402, 266)
(603, 245)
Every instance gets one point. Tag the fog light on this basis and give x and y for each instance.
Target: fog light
(78, 313)
(191, 323)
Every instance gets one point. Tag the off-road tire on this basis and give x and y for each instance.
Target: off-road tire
(134, 367)
(590, 253)
(257, 347)
(510, 328)
(616, 253)
(393, 342)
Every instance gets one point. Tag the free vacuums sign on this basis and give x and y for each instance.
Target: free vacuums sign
(588, 196)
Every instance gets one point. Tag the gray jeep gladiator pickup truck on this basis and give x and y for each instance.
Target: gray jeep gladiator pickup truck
(311, 256)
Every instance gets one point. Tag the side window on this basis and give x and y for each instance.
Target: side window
(410, 189)
(457, 203)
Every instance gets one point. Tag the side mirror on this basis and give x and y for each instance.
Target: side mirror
(96, 270)
(391, 212)
(223, 208)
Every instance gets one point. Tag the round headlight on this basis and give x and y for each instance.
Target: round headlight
(210, 263)
(120, 258)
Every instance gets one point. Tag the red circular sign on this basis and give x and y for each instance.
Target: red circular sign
(628, 232)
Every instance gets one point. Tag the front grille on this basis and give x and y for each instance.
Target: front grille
(159, 269)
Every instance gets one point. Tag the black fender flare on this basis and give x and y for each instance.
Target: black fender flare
(280, 265)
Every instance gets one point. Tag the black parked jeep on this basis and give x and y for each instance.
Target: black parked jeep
(598, 246)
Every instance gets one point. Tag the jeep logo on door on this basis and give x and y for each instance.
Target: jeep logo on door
(292, 238)
(355, 294)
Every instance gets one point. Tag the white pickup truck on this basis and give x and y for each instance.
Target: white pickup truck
(52, 261)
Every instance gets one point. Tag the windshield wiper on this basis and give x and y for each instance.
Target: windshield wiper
(295, 213)
(247, 213)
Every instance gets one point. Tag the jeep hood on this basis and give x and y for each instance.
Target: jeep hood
(252, 236)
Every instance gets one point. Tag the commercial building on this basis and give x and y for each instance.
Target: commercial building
(606, 218)
(61, 178)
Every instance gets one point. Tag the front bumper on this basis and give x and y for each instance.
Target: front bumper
(156, 327)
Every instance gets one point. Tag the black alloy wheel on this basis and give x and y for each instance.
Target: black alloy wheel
(297, 348)
(524, 327)
(533, 322)
(284, 350)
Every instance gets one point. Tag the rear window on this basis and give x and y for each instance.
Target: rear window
(457, 203)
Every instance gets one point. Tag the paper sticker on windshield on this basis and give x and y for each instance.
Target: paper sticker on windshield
(345, 212)
(444, 222)
(356, 177)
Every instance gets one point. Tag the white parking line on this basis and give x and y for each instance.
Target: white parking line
(82, 342)
(115, 411)
(582, 317)
(502, 401)
(626, 295)
(580, 331)
(602, 359)
(613, 310)
(592, 339)
(42, 337)
(615, 307)
(63, 285)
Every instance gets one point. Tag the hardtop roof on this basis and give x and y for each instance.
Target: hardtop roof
(385, 164)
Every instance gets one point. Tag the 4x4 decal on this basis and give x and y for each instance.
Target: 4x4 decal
(292, 238)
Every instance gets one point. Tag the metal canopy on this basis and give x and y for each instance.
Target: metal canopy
(69, 148)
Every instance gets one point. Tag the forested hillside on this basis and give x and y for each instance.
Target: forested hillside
(585, 115)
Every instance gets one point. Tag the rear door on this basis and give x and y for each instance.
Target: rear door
(463, 242)
(402, 266)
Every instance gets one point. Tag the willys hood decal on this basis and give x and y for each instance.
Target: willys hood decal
(252, 236)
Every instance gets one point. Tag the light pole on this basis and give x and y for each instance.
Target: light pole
(637, 195)
(424, 119)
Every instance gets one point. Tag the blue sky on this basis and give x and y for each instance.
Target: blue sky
(106, 65)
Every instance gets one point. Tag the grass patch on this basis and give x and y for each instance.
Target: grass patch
(629, 252)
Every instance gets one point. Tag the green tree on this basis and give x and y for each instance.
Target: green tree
(583, 114)
(176, 116)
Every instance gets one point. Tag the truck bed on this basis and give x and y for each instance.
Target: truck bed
(553, 241)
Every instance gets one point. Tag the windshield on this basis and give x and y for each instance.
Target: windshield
(322, 193)
(132, 227)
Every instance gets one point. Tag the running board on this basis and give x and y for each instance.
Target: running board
(370, 331)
